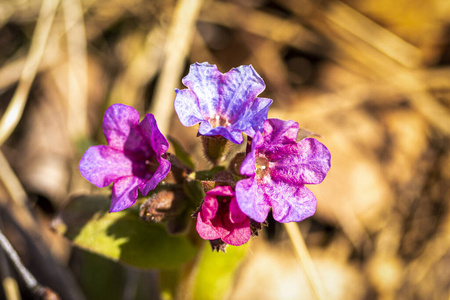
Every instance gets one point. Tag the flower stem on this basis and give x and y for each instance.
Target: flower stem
(302, 254)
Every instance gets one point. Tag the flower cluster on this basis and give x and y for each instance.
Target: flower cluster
(269, 176)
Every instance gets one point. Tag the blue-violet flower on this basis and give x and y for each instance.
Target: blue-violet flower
(220, 218)
(223, 104)
(278, 168)
(131, 161)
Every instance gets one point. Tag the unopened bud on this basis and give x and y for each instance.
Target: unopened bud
(224, 178)
(215, 148)
(220, 178)
(236, 162)
(163, 206)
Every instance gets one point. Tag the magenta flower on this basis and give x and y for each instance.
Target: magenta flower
(131, 161)
(223, 104)
(278, 168)
(220, 218)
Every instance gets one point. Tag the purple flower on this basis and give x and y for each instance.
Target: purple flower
(223, 104)
(131, 161)
(278, 168)
(220, 218)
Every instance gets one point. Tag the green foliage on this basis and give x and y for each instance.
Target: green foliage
(194, 190)
(208, 174)
(103, 279)
(122, 236)
(98, 277)
(181, 154)
(216, 272)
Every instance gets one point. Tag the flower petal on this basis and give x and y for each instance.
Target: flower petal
(160, 174)
(124, 193)
(101, 165)
(290, 203)
(205, 229)
(238, 90)
(251, 199)
(209, 207)
(204, 80)
(221, 190)
(248, 164)
(239, 235)
(253, 118)
(117, 123)
(305, 162)
(187, 108)
(150, 131)
(233, 136)
(236, 214)
(278, 131)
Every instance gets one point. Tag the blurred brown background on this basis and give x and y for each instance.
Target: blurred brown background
(372, 78)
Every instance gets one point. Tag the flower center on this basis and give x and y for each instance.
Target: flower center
(262, 166)
(152, 164)
(223, 199)
(218, 120)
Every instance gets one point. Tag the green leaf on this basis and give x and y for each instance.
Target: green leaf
(194, 190)
(181, 154)
(208, 174)
(216, 272)
(99, 278)
(121, 236)
(169, 281)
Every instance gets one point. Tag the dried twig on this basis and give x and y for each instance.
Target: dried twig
(10, 286)
(28, 278)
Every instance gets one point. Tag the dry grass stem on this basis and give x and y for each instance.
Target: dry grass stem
(11, 289)
(269, 26)
(14, 111)
(11, 182)
(179, 39)
(302, 253)
(365, 29)
(77, 69)
(142, 69)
